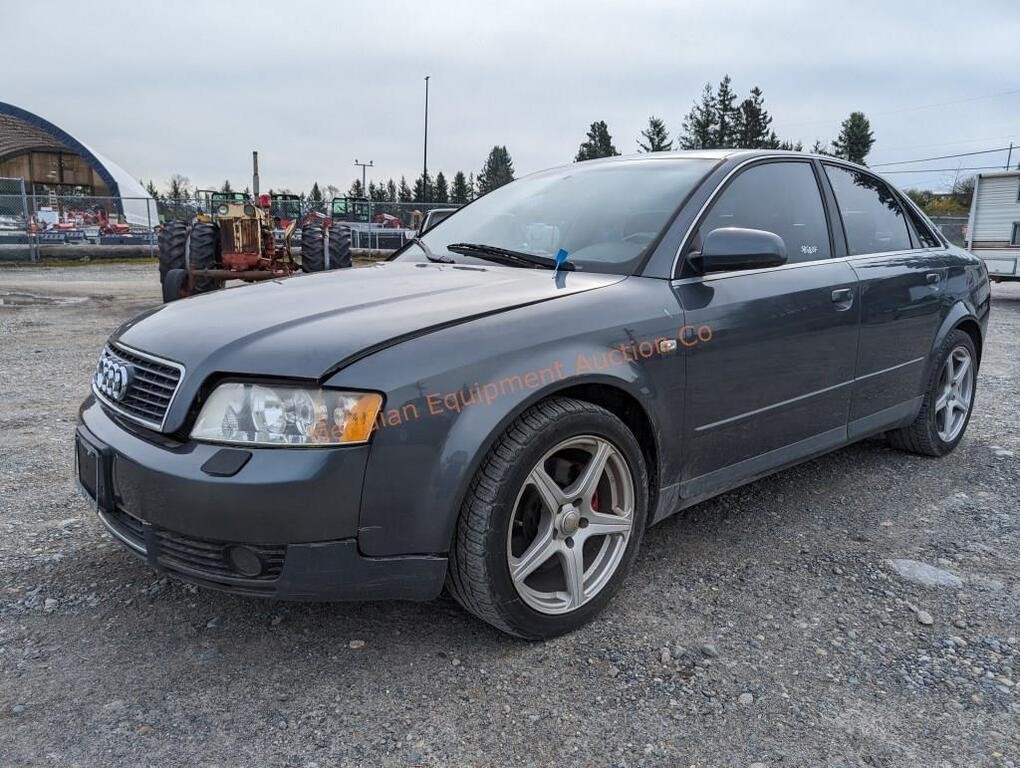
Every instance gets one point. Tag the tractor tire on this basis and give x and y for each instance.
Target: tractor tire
(172, 239)
(205, 254)
(173, 283)
(313, 248)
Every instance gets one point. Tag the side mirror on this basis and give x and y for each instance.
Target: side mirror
(731, 248)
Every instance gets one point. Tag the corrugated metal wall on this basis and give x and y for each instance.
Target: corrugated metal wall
(997, 209)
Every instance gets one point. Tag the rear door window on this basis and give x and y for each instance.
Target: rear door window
(781, 198)
(872, 216)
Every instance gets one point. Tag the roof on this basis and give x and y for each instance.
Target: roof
(994, 174)
(22, 131)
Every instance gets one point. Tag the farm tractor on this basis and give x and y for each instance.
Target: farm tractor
(236, 241)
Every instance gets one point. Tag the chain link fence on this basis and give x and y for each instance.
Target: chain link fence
(79, 226)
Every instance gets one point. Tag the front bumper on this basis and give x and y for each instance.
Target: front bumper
(278, 523)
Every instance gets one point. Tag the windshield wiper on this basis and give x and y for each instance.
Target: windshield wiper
(429, 254)
(506, 256)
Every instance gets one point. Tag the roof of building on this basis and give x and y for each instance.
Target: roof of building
(22, 131)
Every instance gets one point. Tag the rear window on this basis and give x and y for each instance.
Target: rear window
(873, 219)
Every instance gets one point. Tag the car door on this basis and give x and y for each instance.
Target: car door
(773, 383)
(901, 287)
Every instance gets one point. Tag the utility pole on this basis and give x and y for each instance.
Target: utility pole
(425, 153)
(1009, 157)
(369, 164)
(255, 174)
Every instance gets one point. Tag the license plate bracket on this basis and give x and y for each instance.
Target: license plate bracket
(93, 462)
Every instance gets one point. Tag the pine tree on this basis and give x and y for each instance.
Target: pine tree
(356, 190)
(498, 170)
(423, 189)
(377, 192)
(598, 144)
(699, 127)
(440, 192)
(726, 117)
(790, 146)
(153, 192)
(315, 196)
(459, 189)
(404, 192)
(391, 191)
(178, 187)
(656, 137)
(855, 139)
(821, 147)
(472, 187)
(752, 124)
(226, 188)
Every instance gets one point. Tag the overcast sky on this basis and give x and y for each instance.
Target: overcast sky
(192, 88)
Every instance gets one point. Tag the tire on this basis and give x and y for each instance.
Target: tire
(172, 239)
(205, 254)
(930, 434)
(504, 519)
(313, 248)
(173, 283)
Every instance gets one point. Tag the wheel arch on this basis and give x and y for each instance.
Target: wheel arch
(616, 395)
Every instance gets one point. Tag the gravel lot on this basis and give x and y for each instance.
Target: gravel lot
(768, 627)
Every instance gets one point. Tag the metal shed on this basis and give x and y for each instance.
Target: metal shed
(993, 229)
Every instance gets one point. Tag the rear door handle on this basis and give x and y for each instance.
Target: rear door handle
(843, 298)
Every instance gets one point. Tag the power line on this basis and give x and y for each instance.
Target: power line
(949, 170)
(943, 157)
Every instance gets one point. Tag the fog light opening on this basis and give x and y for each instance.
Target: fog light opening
(245, 561)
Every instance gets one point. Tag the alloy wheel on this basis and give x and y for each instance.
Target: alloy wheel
(956, 391)
(571, 524)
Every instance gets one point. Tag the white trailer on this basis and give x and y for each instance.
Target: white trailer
(993, 228)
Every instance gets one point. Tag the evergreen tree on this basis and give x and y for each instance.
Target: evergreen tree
(855, 138)
(821, 147)
(404, 192)
(498, 170)
(226, 188)
(153, 192)
(178, 187)
(791, 146)
(391, 191)
(423, 189)
(656, 137)
(459, 189)
(699, 127)
(356, 190)
(726, 116)
(752, 124)
(440, 192)
(472, 187)
(598, 144)
(377, 193)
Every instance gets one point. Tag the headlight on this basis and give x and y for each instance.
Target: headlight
(222, 209)
(262, 414)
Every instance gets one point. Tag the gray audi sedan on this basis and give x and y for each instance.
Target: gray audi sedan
(505, 406)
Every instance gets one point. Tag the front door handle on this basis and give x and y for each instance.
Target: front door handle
(933, 278)
(843, 298)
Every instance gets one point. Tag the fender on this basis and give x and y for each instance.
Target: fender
(960, 311)
(470, 382)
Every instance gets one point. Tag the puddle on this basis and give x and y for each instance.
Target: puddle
(28, 299)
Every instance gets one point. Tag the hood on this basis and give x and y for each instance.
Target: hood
(309, 326)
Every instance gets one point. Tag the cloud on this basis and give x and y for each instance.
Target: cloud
(192, 89)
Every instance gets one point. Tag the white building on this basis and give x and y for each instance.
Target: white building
(993, 229)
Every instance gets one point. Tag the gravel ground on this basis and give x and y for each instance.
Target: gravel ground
(858, 610)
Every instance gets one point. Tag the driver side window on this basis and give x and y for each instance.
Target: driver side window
(781, 198)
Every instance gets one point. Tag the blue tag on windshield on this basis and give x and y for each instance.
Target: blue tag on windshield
(561, 258)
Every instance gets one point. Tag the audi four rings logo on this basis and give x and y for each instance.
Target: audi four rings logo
(113, 378)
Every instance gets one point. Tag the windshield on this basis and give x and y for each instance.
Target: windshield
(604, 215)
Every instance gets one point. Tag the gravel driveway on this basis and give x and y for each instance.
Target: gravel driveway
(858, 610)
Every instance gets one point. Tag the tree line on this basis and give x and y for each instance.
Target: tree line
(719, 119)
